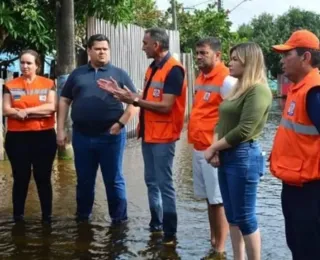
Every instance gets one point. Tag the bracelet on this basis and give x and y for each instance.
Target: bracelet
(120, 123)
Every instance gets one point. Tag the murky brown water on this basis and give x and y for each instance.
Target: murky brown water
(66, 240)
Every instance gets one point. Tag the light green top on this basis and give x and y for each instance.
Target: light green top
(243, 119)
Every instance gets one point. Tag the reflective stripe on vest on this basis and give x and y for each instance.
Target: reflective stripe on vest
(299, 128)
(31, 92)
(18, 92)
(207, 88)
(156, 84)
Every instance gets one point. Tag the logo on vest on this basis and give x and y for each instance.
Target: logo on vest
(16, 97)
(156, 93)
(43, 98)
(206, 96)
(291, 108)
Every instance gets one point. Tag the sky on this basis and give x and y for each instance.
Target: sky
(250, 8)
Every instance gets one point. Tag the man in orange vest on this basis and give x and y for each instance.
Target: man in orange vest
(211, 86)
(161, 120)
(295, 157)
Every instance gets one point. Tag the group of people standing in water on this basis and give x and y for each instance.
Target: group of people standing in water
(230, 109)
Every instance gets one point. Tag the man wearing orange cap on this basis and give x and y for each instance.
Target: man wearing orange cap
(295, 157)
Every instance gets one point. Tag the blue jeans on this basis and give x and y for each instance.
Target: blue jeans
(158, 161)
(239, 175)
(105, 150)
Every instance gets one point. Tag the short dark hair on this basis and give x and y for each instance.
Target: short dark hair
(36, 56)
(213, 42)
(315, 56)
(160, 35)
(97, 38)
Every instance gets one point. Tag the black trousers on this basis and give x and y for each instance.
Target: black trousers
(32, 151)
(301, 210)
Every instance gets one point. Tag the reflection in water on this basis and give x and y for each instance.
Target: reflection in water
(19, 238)
(30, 242)
(83, 241)
(67, 240)
(155, 249)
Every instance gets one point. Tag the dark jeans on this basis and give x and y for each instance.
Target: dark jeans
(36, 149)
(158, 161)
(105, 150)
(239, 175)
(301, 210)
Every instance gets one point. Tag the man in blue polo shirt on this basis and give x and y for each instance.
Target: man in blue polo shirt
(98, 129)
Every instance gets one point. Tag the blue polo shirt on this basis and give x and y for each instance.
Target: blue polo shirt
(313, 106)
(94, 110)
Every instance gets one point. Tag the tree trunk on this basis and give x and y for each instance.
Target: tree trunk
(42, 60)
(3, 35)
(65, 37)
(65, 53)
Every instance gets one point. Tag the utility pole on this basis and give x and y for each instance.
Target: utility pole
(220, 3)
(174, 15)
(243, 1)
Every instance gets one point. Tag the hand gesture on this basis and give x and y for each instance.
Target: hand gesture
(125, 95)
(122, 94)
(109, 85)
(115, 129)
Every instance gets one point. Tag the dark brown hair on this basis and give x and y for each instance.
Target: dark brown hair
(36, 58)
(213, 42)
(97, 38)
(315, 56)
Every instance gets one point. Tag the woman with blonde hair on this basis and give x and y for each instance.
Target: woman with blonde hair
(235, 150)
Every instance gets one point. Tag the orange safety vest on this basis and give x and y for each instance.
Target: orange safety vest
(23, 96)
(204, 115)
(159, 127)
(295, 156)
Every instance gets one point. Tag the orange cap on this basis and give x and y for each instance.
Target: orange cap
(299, 39)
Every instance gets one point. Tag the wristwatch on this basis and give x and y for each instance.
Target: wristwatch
(135, 102)
(120, 124)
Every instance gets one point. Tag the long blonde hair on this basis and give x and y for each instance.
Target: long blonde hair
(251, 57)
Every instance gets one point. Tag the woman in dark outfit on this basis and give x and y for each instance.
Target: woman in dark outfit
(29, 103)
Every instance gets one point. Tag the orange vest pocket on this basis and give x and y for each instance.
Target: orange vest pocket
(162, 130)
(289, 169)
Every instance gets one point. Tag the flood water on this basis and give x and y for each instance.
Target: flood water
(66, 240)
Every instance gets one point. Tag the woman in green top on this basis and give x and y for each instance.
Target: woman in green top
(242, 116)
